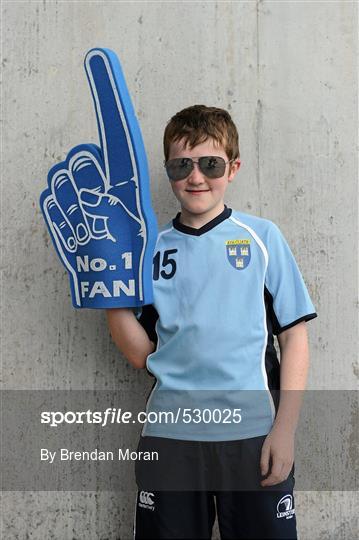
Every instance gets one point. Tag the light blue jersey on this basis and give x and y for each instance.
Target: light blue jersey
(220, 293)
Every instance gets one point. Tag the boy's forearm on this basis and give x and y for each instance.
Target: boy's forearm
(129, 336)
(294, 365)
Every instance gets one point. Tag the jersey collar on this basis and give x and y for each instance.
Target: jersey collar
(205, 228)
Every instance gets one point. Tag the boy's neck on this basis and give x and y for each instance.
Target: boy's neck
(196, 221)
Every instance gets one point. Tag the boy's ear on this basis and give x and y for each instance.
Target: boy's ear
(234, 169)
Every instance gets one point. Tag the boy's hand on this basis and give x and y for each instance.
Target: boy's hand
(277, 456)
(97, 205)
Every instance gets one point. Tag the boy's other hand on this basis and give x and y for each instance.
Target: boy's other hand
(277, 456)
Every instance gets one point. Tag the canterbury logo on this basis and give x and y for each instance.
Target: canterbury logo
(146, 500)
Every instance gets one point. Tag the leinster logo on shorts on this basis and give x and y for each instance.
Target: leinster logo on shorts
(238, 253)
(285, 507)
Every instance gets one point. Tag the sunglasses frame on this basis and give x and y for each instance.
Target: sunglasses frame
(192, 163)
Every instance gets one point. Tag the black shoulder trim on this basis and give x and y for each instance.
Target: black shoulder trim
(205, 228)
(307, 317)
(277, 328)
(271, 362)
(147, 320)
(270, 310)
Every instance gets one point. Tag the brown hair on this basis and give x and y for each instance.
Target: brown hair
(198, 123)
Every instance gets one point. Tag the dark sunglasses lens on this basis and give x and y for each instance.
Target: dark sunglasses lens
(179, 168)
(212, 166)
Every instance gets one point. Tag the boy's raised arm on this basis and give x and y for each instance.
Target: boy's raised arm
(129, 336)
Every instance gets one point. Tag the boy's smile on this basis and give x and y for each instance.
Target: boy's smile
(201, 198)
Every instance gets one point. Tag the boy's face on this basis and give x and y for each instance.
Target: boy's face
(197, 194)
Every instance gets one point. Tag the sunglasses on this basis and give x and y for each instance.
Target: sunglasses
(210, 166)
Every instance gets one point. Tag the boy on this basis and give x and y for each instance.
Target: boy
(224, 283)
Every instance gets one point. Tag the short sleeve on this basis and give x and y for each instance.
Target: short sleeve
(288, 296)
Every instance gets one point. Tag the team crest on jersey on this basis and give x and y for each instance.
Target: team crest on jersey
(239, 253)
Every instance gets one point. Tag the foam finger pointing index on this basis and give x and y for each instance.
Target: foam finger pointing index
(113, 110)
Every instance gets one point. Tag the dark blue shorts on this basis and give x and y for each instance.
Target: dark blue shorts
(180, 494)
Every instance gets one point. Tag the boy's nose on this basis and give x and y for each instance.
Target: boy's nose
(196, 176)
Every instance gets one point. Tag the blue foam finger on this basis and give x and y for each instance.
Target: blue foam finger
(107, 189)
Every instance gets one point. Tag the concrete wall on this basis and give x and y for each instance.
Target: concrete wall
(287, 73)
